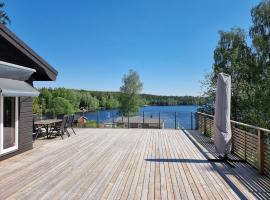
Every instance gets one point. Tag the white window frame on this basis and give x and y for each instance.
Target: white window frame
(15, 147)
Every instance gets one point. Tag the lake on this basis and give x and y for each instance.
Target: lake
(174, 116)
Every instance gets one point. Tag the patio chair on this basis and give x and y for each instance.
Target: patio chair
(66, 125)
(38, 130)
(61, 129)
(70, 123)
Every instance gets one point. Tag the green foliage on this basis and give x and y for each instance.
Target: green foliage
(35, 106)
(76, 98)
(249, 68)
(130, 90)
(4, 19)
(131, 83)
(45, 99)
(260, 30)
(93, 100)
(61, 106)
(103, 102)
(158, 100)
(93, 103)
(112, 103)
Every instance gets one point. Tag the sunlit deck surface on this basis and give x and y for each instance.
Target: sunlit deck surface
(127, 164)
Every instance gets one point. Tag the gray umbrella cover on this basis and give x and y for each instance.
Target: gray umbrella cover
(222, 124)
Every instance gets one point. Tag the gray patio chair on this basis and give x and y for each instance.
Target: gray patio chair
(61, 130)
(38, 130)
(66, 125)
(70, 123)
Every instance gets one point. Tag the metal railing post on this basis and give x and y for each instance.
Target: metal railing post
(196, 121)
(98, 119)
(159, 120)
(128, 119)
(175, 120)
(143, 119)
(191, 118)
(204, 125)
(112, 117)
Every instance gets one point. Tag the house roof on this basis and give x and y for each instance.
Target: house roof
(15, 51)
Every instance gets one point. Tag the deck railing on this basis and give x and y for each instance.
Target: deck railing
(250, 143)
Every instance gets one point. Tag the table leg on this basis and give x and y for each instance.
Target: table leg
(47, 131)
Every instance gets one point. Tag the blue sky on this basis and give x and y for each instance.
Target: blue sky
(92, 43)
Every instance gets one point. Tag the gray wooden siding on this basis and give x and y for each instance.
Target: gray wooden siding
(25, 126)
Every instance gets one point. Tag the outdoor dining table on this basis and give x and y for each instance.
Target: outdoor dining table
(47, 123)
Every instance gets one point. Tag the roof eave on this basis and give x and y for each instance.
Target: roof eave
(26, 50)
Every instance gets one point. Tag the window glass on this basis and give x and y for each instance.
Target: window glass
(9, 118)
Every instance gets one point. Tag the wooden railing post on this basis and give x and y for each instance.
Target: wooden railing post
(245, 145)
(260, 151)
(233, 135)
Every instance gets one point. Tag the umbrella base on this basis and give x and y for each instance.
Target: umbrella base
(226, 160)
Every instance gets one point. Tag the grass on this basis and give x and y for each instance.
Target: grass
(91, 124)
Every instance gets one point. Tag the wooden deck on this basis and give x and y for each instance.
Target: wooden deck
(126, 164)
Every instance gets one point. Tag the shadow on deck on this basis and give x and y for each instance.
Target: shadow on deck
(256, 184)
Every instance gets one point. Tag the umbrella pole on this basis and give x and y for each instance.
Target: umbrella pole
(222, 159)
(226, 160)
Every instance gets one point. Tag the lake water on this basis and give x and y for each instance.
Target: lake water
(173, 116)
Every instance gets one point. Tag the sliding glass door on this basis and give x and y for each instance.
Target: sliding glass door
(9, 124)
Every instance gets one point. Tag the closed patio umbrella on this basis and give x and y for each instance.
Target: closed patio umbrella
(222, 124)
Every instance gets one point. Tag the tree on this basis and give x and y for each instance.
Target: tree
(260, 31)
(249, 68)
(4, 19)
(233, 56)
(130, 90)
(103, 101)
(112, 103)
(61, 106)
(36, 105)
(45, 99)
(93, 103)
(260, 35)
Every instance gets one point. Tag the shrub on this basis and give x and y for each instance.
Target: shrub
(90, 124)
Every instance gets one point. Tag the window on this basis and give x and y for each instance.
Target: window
(9, 124)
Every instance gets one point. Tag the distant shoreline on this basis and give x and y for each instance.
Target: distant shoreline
(102, 109)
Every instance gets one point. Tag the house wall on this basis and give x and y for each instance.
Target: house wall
(25, 127)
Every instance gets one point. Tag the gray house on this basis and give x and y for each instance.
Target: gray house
(20, 66)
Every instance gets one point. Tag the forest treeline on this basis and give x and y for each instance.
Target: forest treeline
(159, 100)
(57, 101)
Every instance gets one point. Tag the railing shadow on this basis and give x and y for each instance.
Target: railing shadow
(175, 160)
(258, 185)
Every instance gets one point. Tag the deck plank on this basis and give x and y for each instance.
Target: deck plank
(126, 164)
